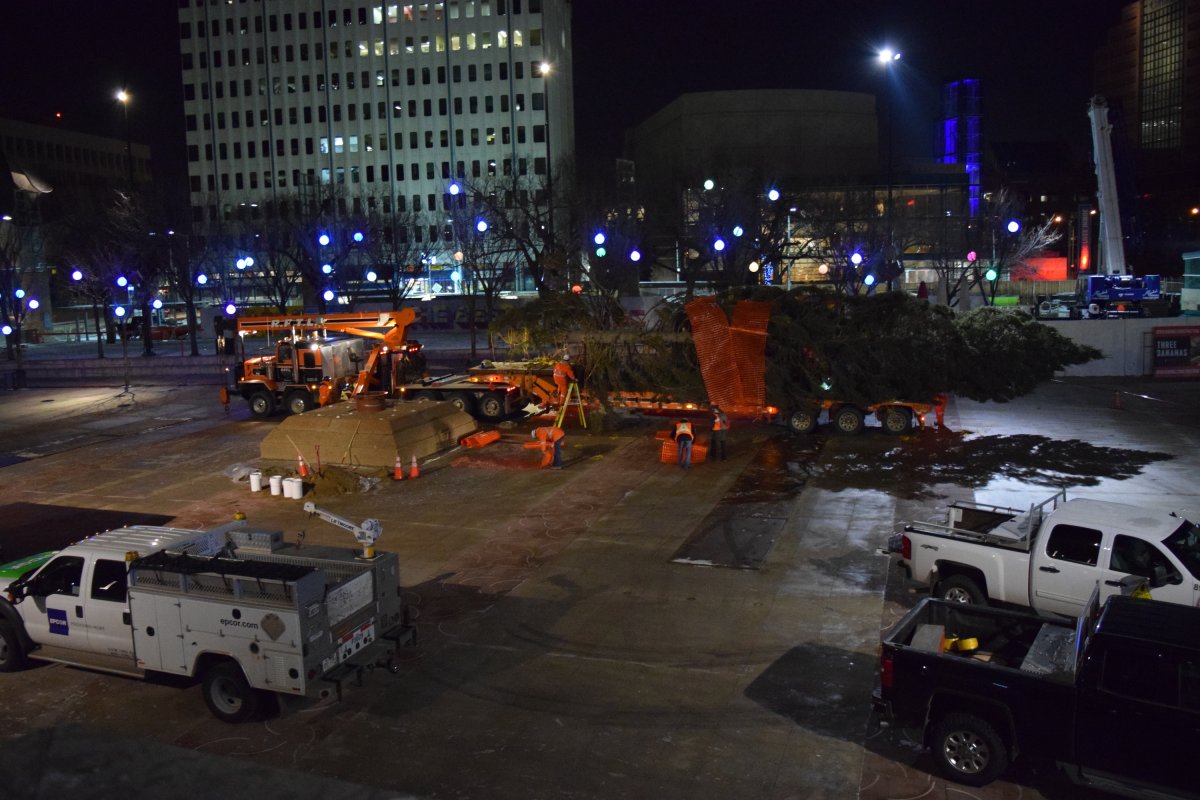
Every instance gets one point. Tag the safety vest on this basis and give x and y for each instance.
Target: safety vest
(720, 423)
(563, 370)
(683, 429)
(549, 435)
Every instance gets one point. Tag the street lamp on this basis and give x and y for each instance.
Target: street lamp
(887, 58)
(124, 98)
(544, 68)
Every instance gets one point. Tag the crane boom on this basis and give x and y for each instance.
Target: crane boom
(1112, 251)
(366, 534)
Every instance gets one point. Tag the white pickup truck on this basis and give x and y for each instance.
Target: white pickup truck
(1051, 556)
(241, 609)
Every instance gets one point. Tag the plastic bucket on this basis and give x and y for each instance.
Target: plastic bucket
(293, 488)
(276, 485)
(256, 481)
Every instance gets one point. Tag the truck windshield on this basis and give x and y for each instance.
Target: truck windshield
(1185, 544)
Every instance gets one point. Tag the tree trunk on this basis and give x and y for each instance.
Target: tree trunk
(99, 333)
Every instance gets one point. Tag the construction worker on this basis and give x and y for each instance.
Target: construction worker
(683, 440)
(720, 424)
(564, 376)
(551, 439)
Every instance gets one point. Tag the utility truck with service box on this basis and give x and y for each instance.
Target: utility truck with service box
(238, 608)
(1051, 555)
(1112, 698)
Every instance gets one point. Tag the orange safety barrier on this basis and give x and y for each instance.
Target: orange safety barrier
(481, 439)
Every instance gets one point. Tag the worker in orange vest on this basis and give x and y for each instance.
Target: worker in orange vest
(683, 440)
(720, 424)
(551, 439)
(564, 375)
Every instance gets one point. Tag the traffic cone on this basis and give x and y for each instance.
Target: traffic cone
(414, 472)
(303, 468)
(398, 470)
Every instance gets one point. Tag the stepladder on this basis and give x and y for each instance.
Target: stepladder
(572, 399)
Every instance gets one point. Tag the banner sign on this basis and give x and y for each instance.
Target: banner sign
(1177, 352)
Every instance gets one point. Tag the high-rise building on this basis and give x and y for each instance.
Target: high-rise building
(370, 105)
(1152, 85)
(962, 133)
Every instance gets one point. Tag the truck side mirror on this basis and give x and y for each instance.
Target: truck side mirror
(1162, 577)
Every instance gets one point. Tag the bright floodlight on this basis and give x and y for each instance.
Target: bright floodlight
(753, 266)
(240, 263)
(77, 275)
(888, 55)
(708, 185)
(122, 96)
(1014, 226)
(773, 195)
(230, 309)
(372, 276)
(545, 68)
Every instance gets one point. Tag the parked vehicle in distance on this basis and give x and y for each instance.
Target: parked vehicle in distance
(1055, 309)
(1050, 556)
(1112, 698)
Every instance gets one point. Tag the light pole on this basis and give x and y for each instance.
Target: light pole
(544, 68)
(888, 58)
(123, 97)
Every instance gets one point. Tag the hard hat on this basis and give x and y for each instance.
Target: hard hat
(566, 357)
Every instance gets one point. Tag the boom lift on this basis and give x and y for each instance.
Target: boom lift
(366, 534)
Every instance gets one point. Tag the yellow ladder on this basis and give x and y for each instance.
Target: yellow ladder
(572, 392)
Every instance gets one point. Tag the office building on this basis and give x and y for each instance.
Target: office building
(371, 107)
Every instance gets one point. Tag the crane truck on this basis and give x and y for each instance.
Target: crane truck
(245, 612)
(308, 368)
(1112, 291)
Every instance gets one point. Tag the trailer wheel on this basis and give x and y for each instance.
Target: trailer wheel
(968, 750)
(462, 402)
(491, 407)
(12, 656)
(262, 404)
(803, 421)
(227, 693)
(299, 402)
(897, 420)
(427, 396)
(848, 420)
(961, 589)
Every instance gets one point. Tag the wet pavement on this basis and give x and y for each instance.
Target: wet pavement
(571, 641)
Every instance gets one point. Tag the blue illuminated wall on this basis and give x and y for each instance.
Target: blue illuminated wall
(962, 134)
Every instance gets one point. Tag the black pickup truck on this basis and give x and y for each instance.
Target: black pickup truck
(1113, 699)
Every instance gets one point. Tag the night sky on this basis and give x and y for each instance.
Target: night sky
(631, 58)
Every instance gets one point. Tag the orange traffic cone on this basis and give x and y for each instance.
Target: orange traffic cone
(398, 470)
(414, 472)
(303, 468)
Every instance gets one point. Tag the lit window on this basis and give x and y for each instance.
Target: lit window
(485, 42)
(338, 144)
(364, 49)
(502, 39)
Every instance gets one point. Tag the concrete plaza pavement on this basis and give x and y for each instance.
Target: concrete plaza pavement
(564, 650)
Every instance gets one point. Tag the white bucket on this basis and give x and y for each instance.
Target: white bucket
(293, 488)
(256, 481)
(276, 485)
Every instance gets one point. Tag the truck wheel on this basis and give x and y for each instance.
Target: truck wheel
(299, 402)
(897, 420)
(12, 657)
(961, 589)
(462, 403)
(968, 750)
(262, 404)
(848, 420)
(228, 696)
(491, 407)
(803, 421)
(427, 396)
